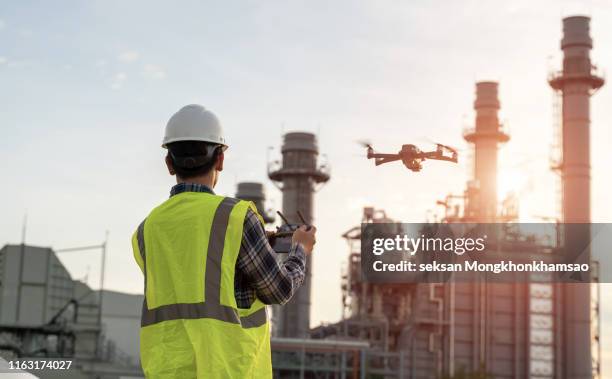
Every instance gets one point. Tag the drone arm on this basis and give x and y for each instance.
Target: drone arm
(445, 158)
(386, 158)
(430, 155)
(439, 156)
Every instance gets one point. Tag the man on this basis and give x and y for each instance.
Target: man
(208, 266)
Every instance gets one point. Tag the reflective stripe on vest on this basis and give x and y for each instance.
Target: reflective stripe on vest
(211, 307)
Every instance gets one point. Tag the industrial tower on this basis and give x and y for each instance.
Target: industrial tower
(504, 330)
(255, 192)
(577, 82)
(298, 176)
(486, 135)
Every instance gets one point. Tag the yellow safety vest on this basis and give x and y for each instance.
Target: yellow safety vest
(191, 326)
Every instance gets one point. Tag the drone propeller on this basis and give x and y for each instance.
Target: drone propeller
(364, 143)
(427, 139)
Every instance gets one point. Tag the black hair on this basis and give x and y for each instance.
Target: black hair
(193, 158)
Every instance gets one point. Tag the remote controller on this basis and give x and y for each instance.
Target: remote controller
(282, 238)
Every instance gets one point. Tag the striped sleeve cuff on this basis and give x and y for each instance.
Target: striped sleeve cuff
(298, 250)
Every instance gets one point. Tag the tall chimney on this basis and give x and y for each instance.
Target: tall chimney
(298, 175)
(486, 136)
(255, 192)
(576, 81)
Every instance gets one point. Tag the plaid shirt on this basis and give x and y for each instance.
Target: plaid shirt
(258, 273)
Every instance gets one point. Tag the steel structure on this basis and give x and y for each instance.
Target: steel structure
(299, 357)
(518, 330)
(39, 300)
(45, 313)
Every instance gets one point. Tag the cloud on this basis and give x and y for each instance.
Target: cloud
(3, 60)
(118, 80)
(129, 56)
(154, 71)
(2, 24)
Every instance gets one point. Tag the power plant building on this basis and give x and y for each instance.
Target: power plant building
(507, 330)
(45, 313)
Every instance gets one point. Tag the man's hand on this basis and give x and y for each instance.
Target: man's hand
(306, 236)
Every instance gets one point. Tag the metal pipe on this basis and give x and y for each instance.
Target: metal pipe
(102, 247)
(101, 295)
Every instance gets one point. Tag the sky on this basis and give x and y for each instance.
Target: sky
(87, 87)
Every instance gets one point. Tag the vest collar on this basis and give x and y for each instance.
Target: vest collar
(190, 187)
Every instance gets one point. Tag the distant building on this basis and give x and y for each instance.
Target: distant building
(34, 285)
(121, 326)
(44, 312)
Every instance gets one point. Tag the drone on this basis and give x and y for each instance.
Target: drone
(412, 157)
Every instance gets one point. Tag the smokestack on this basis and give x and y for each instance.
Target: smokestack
(576, 81)
(486, 136)
(255, 192)
(298, 175)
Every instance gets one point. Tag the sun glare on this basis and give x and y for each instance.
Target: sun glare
(510, 182)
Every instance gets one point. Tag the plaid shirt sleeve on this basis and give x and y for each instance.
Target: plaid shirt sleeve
(259, 273)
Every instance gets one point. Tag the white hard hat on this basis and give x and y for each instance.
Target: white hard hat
(194, 123)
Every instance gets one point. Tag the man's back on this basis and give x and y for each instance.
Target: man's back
(209, 268)
(178, 231)
(191, 325)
